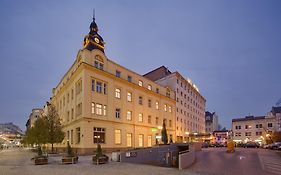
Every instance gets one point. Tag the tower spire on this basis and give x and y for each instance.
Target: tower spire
(94, 15)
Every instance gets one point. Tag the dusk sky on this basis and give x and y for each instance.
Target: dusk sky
(230, 49)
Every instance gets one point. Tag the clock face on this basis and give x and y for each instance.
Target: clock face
(97, 40)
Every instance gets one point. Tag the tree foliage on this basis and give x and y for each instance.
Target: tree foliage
(164, 137)
(55, 133)
(46, 129)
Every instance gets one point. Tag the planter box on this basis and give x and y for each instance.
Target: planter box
(100, 160)
(69, 160)
(41, 160)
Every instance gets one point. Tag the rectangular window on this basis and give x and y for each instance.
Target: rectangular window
(129, 78)
(99, 135)
(93, 108)
(170, 123)
(98, 109)
(104, 88)
(149, 103)
(78, 135)
(269, 125)
(117, 93)
(118, 113)
(156, 120)
(170, 109)
(104, 109)
(157, 90)
(72, 113)
(140, 83)
(129, 115)
(78, 87)
(165, 108)
(140, 100)
(140, 140)
(140, 117)
(157, 105)
(129, 140)
(149, 141)
(68, 135)
(117, 136)
(149, 87)
(67, 98)
(149, 119)
(72, 92)
(99, 87)
(118, 74)
(129, 96)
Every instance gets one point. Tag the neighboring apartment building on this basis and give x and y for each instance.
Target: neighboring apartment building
(190, 104)
(252, 128)
(99, 101)
(211, 122)
(34, 115)
(276, 113)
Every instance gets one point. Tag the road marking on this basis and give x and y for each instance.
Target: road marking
(242, 157)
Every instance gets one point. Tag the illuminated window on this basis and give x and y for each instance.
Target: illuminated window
(129, 115)
(140, 83)
(140, 140)
(129, 96)
(140, 117)
(117, 93)
(149, 87)
(104, 109)
(157, 105)
(98, 109)
(99, 135)
(165, 108)
(129, 140)
(117, 136)
(170, 109)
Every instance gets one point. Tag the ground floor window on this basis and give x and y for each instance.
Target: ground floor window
(78, 138)
(99, 135)
(117, 136)
(129, 139)
(140, 140)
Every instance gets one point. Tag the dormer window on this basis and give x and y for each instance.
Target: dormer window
(149, 87)
(140, 83)
(98, 62)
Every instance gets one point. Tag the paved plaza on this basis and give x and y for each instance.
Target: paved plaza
(209, 161)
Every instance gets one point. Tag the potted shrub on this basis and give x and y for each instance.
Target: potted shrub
(40, 159)
(70, 158)
(99, 158)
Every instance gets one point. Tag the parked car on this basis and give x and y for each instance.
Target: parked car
(251, 145)
(275, 145)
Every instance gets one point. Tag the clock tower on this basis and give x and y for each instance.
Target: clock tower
(93, 40)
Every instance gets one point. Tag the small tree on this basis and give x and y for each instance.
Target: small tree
(38, 134)
(164, 137)
(69, 150)
(55, 134)
(99, 151)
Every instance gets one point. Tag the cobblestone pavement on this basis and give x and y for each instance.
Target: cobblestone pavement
(16, 162)
(244, 161)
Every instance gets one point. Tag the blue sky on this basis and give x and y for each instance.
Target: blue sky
(230, 49)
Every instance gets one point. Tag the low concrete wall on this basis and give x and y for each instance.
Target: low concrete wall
(197, 146)
(186, 159)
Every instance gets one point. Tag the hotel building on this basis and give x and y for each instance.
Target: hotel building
(254, 129)
(100, 101)
(190, 104)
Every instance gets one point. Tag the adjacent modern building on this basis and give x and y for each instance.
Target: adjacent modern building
(100, 101)
(211, 122)
(190, 104)
(254, 129)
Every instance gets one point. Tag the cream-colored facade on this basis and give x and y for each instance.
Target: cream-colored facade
(100, 101)
(253, 129)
